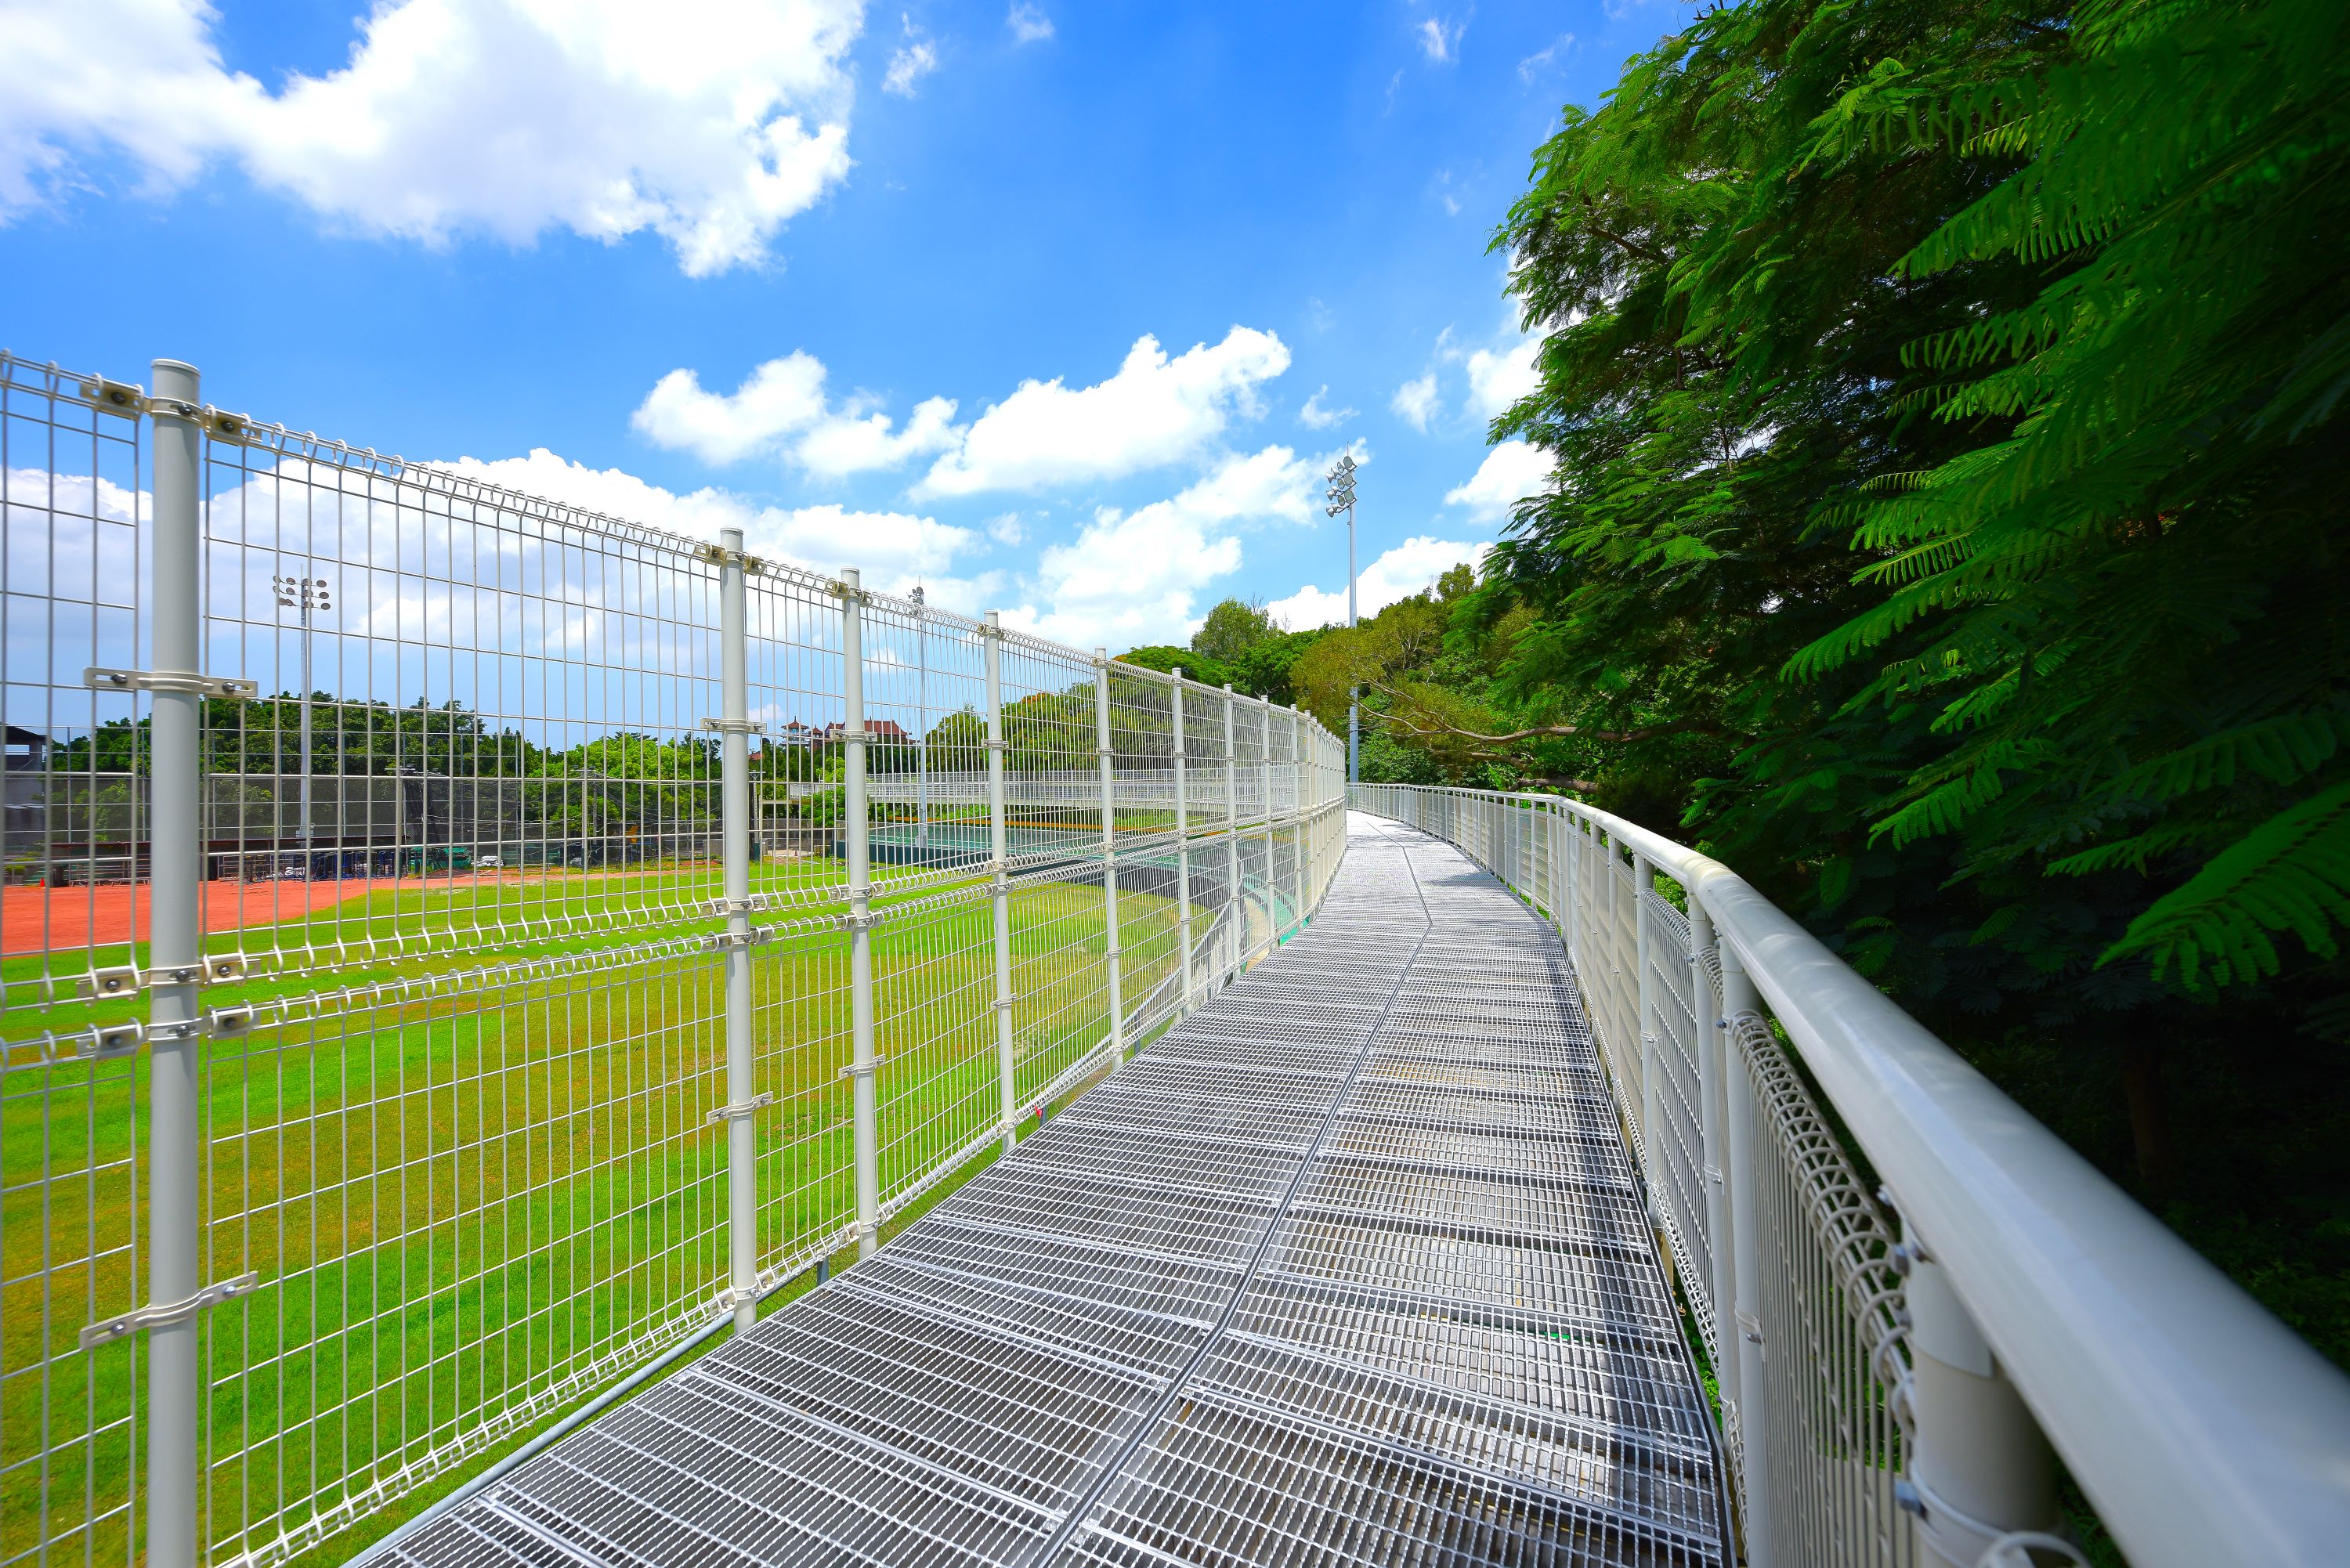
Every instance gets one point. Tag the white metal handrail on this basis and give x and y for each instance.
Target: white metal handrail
(2201, 1429)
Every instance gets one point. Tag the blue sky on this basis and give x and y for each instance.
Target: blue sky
(733, 262)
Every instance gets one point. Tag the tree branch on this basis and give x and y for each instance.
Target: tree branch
(1538, 732)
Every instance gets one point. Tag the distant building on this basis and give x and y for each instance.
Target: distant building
(795, 735)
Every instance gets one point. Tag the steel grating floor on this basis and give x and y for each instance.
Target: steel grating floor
(1347, 1268)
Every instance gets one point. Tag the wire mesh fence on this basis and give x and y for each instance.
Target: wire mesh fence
(1801, 1316)
(551, 936)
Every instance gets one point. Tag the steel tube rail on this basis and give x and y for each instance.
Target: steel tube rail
(1000, 901)
(864, 1103)
(735, 765)
(175, 1073)
(2201, 1429)
(1112, 953)
(1182, 844)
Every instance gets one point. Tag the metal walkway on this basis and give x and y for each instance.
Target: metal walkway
(1347, 1268)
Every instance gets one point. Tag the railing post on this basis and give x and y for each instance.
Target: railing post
(1113, 954)
(1980, 1467)
(865, 1121)
(1235, 902)
(175, 1065)
(1644, 1034)
(735, 823)
(1711, 1045)
(1744, 1359)
(1182, 847)
(1265, 795)
(1000, 866)
(1297, 812)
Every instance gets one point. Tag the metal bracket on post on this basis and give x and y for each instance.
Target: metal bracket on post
(735, 726)
(109, 1042)
(108, 1330)
(125, 980)
(115, 396)
(751, 1106)
(862, 1069)
(726, 942)
(169, 680)
(857, 920)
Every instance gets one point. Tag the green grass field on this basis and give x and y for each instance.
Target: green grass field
(470, 1208)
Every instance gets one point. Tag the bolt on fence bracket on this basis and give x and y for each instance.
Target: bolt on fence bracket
(115, 396)
(169, 680)
(109, 1330)
(124, 979)
(751, 1106)
(736, 726)
(855, 923)
(855, 1071)
(110, 1040)
(726, 942)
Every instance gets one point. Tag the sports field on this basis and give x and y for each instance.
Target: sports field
(475, 1197)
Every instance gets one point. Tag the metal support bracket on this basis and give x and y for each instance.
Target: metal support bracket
(863, 922)
(115, 396)
(735, 726)
(726, 942)
(751, 564)
(110, 1040)
(854, 1071)
(751, 1106)
(169, 680)
(756, 904)
(109, 1330)
(846, 736)
(731, 1298)
(1008, 1003)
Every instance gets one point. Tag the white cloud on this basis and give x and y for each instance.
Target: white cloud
(917, 58)
(1533, 64)
(1007, 529)
(1439, 42)
(1130, 579)
(1498, 379)
(1029, 24)
(711, 125)
(1156, 411)
(1415, 400)
(1395, 576)
(781, 408)
(1317, 416)
(894, 549)
(1509, 473)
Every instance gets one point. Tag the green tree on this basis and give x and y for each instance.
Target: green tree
(1232, 629)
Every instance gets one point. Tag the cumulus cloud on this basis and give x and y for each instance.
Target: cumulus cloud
(894, 549)
(1395, 576)
(1319, 416)
(914, 60)
(1509, 473)
(1498, 379)
(1415, 400)
(1132, 577)
(1156, 411)
(711, 125)
(781, 408)
(1029, 25)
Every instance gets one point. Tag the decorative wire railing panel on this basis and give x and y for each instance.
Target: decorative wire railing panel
(1884, 1395)
(537, 856)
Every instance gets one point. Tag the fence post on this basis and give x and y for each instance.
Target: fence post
(1980, 1467)
(1182, 848)
(1644, 1034)
(1711, 1045)
(1264, 793)
(174, 1065)
(1112, 953)
(1000, 864)
(735, 821)
(1298, 812)
(1746, 1355)
(865, 1121)
(1234, 899)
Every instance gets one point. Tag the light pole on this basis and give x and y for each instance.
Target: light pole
(307, 595)
(1341, 498)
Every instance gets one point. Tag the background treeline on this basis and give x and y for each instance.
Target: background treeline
(1948, 530)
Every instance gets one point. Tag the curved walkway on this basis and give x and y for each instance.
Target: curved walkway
(1347, 1268)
